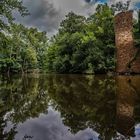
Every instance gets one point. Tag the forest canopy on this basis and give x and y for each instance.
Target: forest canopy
(21, 48)
(82, 44)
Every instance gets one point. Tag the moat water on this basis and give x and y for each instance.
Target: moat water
(69, 107)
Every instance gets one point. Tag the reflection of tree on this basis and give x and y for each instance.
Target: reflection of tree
(85, 101)
(20, 99)
(6, 135)
(88, 101)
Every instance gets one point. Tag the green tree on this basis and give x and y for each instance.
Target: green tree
(101, 56)
(7, 7)
(27, 52)
(83, 45)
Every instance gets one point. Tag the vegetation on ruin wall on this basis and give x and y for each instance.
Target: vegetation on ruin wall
(136, 31)
(82, 45)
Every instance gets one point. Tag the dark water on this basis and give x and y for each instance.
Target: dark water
(69, 107)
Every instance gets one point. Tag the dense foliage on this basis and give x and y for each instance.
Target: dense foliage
(7, 7)
(21, 48)
(136, 31)
(83, 45)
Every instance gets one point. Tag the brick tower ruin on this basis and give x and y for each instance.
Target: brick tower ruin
(125, 44)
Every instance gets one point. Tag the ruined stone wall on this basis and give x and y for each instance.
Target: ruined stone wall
(125, 43)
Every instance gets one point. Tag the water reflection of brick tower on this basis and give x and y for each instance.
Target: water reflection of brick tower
(125, 44)
(126, 96)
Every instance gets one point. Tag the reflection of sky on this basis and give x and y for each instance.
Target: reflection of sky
(50, 127)
(137, 132)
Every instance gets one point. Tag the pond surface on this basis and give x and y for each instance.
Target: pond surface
(69, 107)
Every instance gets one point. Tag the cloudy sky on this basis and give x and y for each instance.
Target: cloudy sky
(46, 15)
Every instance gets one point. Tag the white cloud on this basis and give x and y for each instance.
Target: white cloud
(47, 14)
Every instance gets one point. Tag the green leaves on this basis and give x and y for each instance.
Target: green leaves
(22, 49)
(72, 23)
(7, 7)
(136, 31)
(83, 45)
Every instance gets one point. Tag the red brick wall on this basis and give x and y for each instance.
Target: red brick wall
(125, 43)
